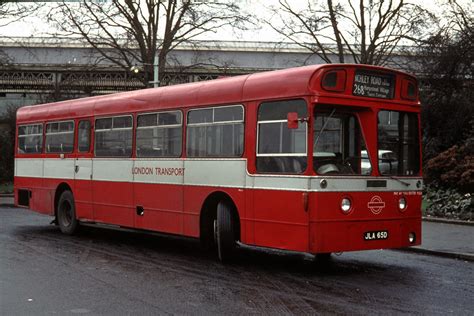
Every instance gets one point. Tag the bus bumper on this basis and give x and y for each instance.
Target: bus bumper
(338, 236)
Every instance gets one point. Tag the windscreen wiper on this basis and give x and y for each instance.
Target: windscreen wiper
(402, 182)
(324, 126)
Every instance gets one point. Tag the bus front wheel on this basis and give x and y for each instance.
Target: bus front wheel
(66, 215)
(225, 232)
(323, 258)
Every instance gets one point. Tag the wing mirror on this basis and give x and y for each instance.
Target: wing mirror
(292, 120)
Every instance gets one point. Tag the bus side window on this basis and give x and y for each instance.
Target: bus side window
(30, 139)
(159, 134)
(215, 132)
(113, 136)
(280, 149)
(84, 136)
(60, 137)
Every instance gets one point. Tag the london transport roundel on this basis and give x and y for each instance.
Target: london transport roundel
(376, 204)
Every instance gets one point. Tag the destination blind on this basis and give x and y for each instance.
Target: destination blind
(373, 85)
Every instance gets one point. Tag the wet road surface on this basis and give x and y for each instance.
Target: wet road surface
(103, 271)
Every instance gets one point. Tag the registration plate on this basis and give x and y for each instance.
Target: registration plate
(376, 235)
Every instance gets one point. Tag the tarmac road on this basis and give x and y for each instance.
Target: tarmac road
(104, 271)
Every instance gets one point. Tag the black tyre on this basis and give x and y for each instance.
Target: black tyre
(323, 258)
(225, 232)
(66, 215)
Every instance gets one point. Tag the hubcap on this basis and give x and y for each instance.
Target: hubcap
(66, 213)
(216, 236)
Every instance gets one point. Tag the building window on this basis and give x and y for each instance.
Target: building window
(159, 134)
(215, 132)
(113, 136)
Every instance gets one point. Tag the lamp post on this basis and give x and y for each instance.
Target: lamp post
(156, 82)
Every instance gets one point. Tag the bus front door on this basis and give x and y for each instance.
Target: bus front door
(83, 188)
(83, 172)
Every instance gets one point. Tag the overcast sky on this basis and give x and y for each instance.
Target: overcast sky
(37, 27)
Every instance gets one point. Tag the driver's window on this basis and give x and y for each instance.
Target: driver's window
(339, 147)
(279, 148)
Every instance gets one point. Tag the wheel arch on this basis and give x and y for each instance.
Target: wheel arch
(209, 214)
(63, 186)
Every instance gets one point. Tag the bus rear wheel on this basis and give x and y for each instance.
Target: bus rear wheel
(66, 215)
(225, 236)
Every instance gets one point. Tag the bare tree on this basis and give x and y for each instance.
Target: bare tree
(133, 32)
(446, 63)
(203, 67)
(365, 32)
(11, 12)
(14, 11)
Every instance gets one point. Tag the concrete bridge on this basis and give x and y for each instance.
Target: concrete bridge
(38, 70)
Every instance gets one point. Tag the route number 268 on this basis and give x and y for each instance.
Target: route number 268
(358, 89)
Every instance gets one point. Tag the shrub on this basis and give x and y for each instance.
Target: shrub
(7, 143)
(449, 203)
(6, 156)
(453, 167)
(6, 188)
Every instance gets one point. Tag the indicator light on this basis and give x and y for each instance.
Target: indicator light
(402, 204)
(346, 205)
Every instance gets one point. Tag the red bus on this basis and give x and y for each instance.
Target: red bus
(317, 159)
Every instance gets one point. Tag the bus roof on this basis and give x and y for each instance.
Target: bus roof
(264, 85)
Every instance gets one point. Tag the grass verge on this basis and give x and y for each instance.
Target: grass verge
(424, 205)
(6, 188)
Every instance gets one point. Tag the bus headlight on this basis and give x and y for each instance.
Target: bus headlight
(402, 204)
(346, 205)
(411, 238)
